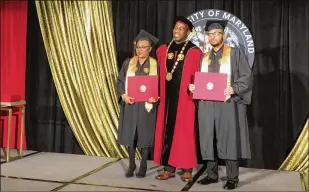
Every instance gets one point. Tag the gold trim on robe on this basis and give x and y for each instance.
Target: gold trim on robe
(225, 64)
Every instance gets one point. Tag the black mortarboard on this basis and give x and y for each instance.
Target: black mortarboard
(185, 21)
(215, 24)
(144, 35)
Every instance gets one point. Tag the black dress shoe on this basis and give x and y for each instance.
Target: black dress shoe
(140, 175)
(142, 171)
(230, 184)
(207, 180)
(131, 170)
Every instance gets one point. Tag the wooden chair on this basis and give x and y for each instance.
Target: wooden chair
(9, 106)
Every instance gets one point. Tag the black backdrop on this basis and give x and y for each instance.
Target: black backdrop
(280, 97)
(47, 128)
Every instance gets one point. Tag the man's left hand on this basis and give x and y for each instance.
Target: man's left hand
(229, 91)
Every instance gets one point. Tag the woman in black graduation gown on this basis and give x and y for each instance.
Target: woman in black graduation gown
(137, 119)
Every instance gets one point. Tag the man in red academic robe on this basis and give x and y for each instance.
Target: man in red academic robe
(175, 145)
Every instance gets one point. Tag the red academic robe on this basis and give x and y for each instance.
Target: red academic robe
(183, 149)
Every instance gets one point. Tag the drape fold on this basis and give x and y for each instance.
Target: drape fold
(298, 159)
(79, 41)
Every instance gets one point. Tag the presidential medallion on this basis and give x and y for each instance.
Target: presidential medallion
(170, 55)
(169, 76)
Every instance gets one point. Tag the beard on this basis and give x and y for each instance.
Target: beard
(216, 44)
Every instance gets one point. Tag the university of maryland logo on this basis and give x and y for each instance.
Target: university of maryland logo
(237, 33)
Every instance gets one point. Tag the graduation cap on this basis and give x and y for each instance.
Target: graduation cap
(215, 24)
(144, 35)
(184, 21)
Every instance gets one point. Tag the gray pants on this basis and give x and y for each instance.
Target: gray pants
(232, 169)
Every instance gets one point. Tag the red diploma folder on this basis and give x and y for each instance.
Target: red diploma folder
(209, 86)
(141, 88)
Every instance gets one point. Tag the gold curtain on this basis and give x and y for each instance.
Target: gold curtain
(79, 41)
(298, 159)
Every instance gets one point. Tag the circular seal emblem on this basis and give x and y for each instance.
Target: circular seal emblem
(170, 55)
(142, 88)
(146, 70)
(210, 86)
(237, 33)
(181, 56)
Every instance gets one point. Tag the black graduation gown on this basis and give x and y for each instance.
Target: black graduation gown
(134, 120)
(229, 119)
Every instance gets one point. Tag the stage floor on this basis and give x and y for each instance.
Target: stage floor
(41, 171)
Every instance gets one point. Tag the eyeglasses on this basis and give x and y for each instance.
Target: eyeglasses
(142, 47)
(215, 34)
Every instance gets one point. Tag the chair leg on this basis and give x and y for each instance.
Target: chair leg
(9, 136)
(22, 131)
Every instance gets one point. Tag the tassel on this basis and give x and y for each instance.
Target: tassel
(148, 106)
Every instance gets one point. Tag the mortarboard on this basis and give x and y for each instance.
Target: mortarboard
(144, 35)
(185, 21)
(215, 24)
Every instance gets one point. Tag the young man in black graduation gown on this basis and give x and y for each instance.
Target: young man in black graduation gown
(224, 121)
